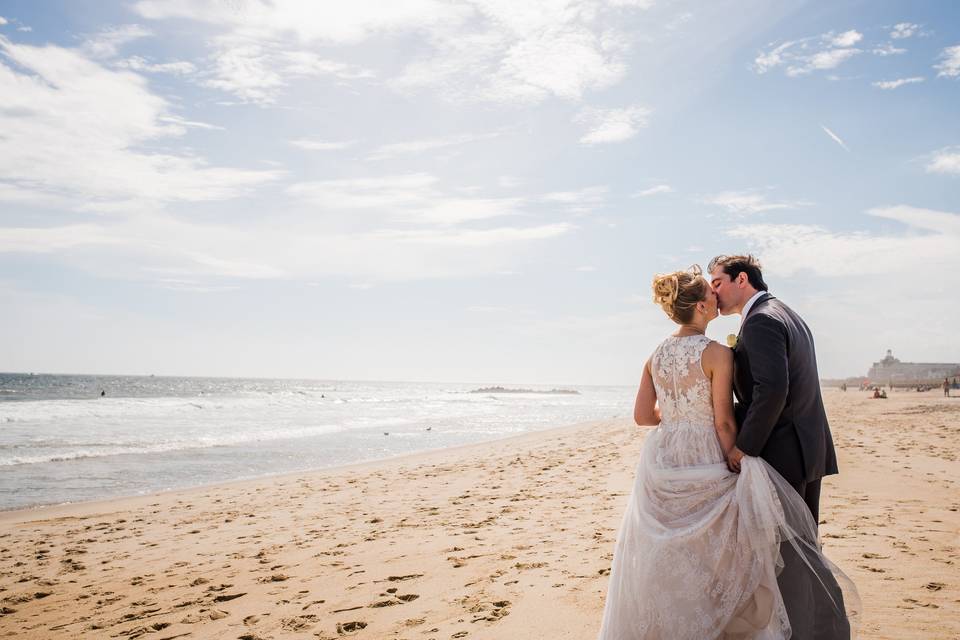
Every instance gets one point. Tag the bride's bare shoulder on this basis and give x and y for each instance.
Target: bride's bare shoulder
(716, 354)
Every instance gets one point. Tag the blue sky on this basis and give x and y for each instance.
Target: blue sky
(467, 191)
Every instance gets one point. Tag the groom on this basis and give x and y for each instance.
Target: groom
(780, 418)
(780, 414)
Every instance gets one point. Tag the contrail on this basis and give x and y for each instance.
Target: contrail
(835, 137)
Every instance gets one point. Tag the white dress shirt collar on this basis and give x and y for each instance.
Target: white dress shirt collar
(749, 305)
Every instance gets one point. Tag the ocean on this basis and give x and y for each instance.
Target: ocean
(72, 438)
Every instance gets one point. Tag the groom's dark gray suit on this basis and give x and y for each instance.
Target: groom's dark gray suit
(780, 418)
(780, 414)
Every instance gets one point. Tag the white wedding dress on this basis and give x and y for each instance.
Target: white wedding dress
(700, 548)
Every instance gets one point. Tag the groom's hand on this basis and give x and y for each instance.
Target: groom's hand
(734, 458)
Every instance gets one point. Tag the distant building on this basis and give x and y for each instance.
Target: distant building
(890, 369)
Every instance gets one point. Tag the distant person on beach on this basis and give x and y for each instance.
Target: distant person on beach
(946, 387)
(702, 547)
(876, 393)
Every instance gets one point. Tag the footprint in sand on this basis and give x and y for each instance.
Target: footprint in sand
(228, 596)
(348, 628)
(203, 615)
(277, 577)
(299, 623)
(311, 603)
(382, 603)
(493, 611)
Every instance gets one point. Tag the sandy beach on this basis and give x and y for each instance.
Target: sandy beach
(510, 539)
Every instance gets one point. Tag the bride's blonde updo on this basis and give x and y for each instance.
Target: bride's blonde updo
(679, 292)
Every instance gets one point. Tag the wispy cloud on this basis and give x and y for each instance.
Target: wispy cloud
(899, 82)
(946, 161)
(160, 248)
(847, 38)
(750, 201)
(835, 137)
(55, 239)
(578, 201)
(939, 222)
(426, 144)
(776, 56)
(501, 52)
(335, 23)
(139, 63)
(829, 59)
(107, 42)
(508, 54)
(256, 71)
(415, 197)
(652, 191)
(887, 49)
(309, 144)
(25, 195)
(949, 66)
(192, 286)
(788, 249)
(76, 128)
(813, 53)
(904, 30)
(606, 126)
(190, 124)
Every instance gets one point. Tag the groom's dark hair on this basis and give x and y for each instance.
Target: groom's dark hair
(735, 265)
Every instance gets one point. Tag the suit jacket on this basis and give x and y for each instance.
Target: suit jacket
(780, 414)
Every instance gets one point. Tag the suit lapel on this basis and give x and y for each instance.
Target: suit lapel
(756, 305)
(740, 365)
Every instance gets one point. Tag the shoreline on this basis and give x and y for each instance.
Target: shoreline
(510, 538)
(63, 509)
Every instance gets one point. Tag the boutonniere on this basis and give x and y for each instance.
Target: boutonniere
(732, 340)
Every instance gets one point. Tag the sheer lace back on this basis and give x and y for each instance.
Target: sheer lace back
(686, 404)
(683, 390)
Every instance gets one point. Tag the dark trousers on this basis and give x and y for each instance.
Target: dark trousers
(810, 492)
(812, 615)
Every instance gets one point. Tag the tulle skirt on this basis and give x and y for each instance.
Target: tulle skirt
(704, 553)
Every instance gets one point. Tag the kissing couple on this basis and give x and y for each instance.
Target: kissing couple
(719, 539)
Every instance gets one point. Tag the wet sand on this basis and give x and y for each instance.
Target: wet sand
(511, 539)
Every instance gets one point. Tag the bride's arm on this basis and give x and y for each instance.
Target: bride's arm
(646, 413)
(718, 363)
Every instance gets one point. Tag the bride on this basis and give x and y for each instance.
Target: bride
(701, 548)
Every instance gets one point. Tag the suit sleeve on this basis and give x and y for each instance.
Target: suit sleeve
(765, 341)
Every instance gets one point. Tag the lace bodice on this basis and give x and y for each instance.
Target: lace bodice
(683, 390)
(688, 437)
